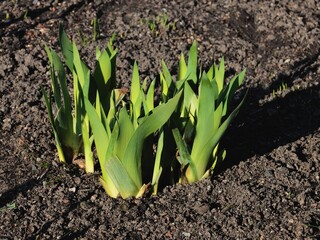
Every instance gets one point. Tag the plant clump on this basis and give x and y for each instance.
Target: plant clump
(141, 145)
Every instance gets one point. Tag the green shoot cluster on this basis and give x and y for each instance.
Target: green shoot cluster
(141, 145)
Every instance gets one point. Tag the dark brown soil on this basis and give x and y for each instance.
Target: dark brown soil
(269, 186)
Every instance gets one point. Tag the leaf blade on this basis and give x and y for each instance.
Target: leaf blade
(132, 156)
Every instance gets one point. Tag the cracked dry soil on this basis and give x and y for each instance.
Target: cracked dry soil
(268, 187)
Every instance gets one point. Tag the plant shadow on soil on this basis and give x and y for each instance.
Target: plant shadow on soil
(260, 128)
(64, 216)
(43, 14)
(8, 196)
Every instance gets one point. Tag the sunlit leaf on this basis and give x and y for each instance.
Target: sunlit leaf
(151, 123)
(66, 47)
(120, 177)
(182, 68)
(192, 63)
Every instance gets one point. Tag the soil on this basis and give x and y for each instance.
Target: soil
(267, 188)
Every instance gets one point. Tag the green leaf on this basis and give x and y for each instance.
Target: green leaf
(55, 86)
(51, 119)
(181, 83)
(109, 120)
(206, 108)
(215, 89)
(157, 169)
(185, 157)
(68, 142)
(166, 73)
(196, 169)
(193, 63)
(210, 73)
(135, 84)
(66, 47)
(164, 87)
(120, 177)
(112, 142)
(190, 102)
(135, 94)
(133, 152)
(64, 112)
(232, 87)
(104, 78)
(219, 75)
(98, 53)
(126, 132)
(81, 70)
(182, 68)
(150, 97)
(168, 87)
(204, 128)
(103, 71)
(81, 82)
(87, 144)
(112, 52)
(109, 186)
(100, 135)
(63, 84)
(101, 139)
(77, 104)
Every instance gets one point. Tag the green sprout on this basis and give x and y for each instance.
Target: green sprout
(96, 29)
(159, 23)
(151, 24)
(9, 206)
(280, 89)
(5, 17)
(83, 39)
(165, 23)
(25, 15)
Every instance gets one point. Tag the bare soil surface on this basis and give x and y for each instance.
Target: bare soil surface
(269, 186)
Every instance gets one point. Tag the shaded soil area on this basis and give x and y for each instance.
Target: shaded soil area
(268, 187)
